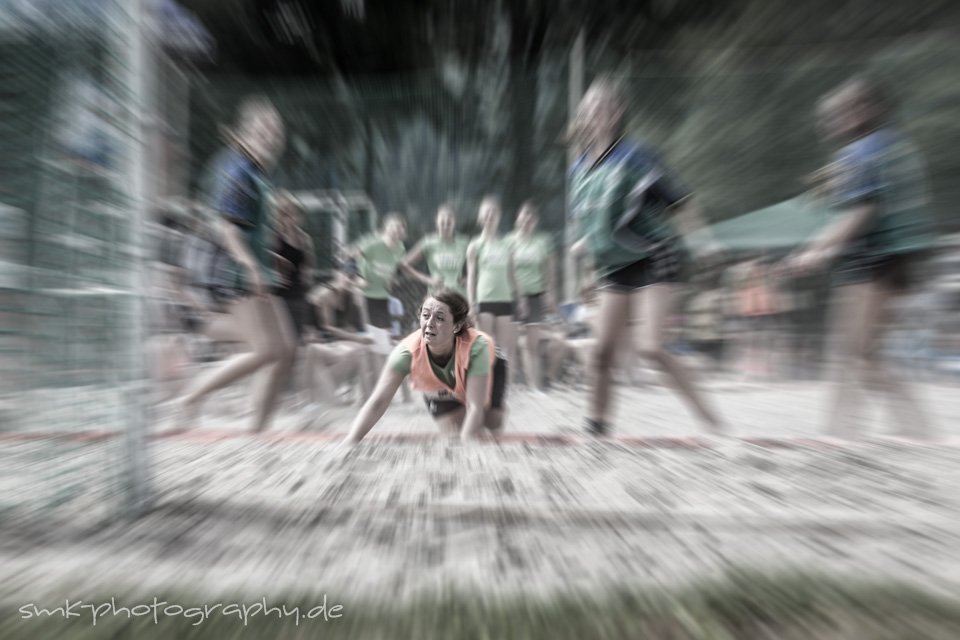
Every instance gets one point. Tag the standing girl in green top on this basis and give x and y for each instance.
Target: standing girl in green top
(445, 254)
(535, 268)
(379, 256)
(491, 280)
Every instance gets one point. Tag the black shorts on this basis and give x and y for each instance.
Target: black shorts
(437, 408)
(712, 348)
(536, 310)
(378, 313)
(899, 271)
(663, 265)
(298, 308)
(496, 308)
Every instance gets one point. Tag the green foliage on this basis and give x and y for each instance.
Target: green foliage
(476, 98)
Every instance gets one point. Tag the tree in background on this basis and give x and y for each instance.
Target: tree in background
(421, 102)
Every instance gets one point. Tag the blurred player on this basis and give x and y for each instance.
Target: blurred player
(241, 197)
(445, 253)
(534, 264)
(491, 280)
(883, 231)
(625, 203)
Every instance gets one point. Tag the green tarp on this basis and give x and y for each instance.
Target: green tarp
(781, 226)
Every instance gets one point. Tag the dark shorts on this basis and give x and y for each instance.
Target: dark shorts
(378, 312)
(710, 348)
(536, 310)
(437, 408)
(298, 309)
(898, 272)
(664, 265)
(496, 308)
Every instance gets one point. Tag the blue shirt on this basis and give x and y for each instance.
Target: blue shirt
(885, 170)
(240, 193)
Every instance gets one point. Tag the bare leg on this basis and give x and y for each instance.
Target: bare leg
(168, 361)
(506, 339)
(853, 314)
(224, 327)
(908, 413)
(862, 309)
(531, 356)
(364, 373)
(613, 318)
(277, 372)
(313, 360)
(343, 362)
(320, 359)
(582, 349)
(558, 350)
(254, 320)
(485, 322)
(350, 367)
(372, 365)
(627, 359)
(347, 365)
(657, 301)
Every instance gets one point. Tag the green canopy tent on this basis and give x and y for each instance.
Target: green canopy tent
(781, 226)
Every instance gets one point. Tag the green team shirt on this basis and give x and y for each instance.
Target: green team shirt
(493, 270)
(530, 257)
(600, 196)
(400, 361)
(446, 260)
(377, 263)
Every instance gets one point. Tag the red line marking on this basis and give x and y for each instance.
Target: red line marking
(541, 439)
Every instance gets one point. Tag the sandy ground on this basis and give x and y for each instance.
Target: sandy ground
(281, 513)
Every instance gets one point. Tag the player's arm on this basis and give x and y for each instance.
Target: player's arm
(412, 258)
(376, 405)
(850, 224)
(472, 276)
(476, 399)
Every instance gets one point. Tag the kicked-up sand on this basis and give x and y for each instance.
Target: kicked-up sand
(408, 513)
